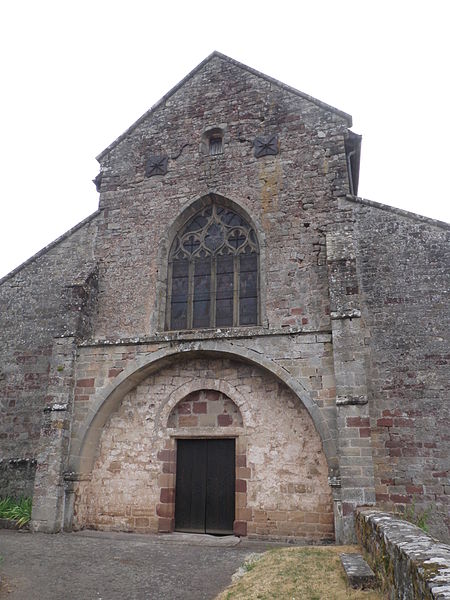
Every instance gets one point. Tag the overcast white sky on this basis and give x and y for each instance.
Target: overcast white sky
(75, 75)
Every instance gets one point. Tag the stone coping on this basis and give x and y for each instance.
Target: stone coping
(410, 562)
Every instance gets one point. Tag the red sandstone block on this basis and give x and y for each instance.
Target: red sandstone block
(304, 321)
(212, 395)
(199, 408)
(440, 474)
(114, 372)
(347, 508)
(167, 495)
(81, 398)
(414, 489)
(86, 382)
(364, 432)
(395, 452)
(241, 485)
(165, 455)
(241, 460)
(297, 311)
(393, 444)
(385, 422)
(399, 499)
(240, 528)
(165, 525)
(224, 420)
(169, 467)
(184, 408)
(357, 421)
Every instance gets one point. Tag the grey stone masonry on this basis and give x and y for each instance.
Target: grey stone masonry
(412, 564)
(349, 356)
(358, 572)
(350, 326)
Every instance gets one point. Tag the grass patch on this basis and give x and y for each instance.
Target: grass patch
(303, 573)
(16, 510)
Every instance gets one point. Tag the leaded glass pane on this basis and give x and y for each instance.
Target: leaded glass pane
(180, 287)
(215, 271)
(202, 293)
(224, 291)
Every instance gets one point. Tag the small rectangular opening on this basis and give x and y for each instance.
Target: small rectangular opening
(215, 145)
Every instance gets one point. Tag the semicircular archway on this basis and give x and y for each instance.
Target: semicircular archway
(107, 400)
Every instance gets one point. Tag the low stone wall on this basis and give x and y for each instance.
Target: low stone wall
(411, 564)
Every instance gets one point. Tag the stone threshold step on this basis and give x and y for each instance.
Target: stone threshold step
(358, 572)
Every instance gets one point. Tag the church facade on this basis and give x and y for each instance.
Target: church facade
(234, 341)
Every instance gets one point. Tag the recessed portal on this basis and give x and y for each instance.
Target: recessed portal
(205, 486)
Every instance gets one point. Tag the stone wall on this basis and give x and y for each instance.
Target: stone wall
(282, 489)
(410, 563)
(404, 277)
(17, 477)
(290, 197)
(44, 298)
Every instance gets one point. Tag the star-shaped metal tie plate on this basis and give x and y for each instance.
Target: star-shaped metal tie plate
(266, 145)
(156, 165)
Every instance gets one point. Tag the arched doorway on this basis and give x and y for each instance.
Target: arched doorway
(281, 487)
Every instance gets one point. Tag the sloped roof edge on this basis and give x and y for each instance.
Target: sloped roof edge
(215, 54)
(45, 249)
(398, 211)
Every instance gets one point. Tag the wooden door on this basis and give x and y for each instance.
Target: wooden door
(205, 486)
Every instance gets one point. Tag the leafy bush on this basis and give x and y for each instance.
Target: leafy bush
(17, 510)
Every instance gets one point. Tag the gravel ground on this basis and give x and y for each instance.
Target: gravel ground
(92, 565)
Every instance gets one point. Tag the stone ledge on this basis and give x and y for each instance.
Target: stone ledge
(319, 335)
(358, 572)
(411, 563)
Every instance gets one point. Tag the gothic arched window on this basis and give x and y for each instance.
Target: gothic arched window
(213, 272)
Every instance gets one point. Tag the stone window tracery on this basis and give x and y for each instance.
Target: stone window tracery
(213, 272)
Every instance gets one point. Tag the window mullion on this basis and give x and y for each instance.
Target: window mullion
(235, 290)
(190, 306)
(213, 289)
(169, 299)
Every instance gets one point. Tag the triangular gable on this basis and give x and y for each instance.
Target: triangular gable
(236, 63)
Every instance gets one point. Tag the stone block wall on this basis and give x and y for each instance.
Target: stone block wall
(282, 488)
(43, 299)
(17, 477)
(404, 276)
(289, 197)
(410, 563)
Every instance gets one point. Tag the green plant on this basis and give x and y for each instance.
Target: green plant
(417, 517)
(17, 510)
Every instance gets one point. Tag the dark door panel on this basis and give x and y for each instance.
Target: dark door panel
(219, 515)
(190, 496)
(205, 486)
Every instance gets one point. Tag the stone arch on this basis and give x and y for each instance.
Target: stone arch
(188, 211)
(107, 399)
(218, 385)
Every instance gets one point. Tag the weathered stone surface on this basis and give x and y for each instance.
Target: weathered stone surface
(411, 564)
(282, 489)
(352, 306)
(358, 572)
